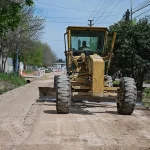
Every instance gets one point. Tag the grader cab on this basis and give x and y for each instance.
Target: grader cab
(86, 76)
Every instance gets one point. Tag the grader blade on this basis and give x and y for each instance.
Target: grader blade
(46, 94)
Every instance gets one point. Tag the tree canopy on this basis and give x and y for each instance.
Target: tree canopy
(40, 55)
(20, 30)
(10, 14)
(132, 49)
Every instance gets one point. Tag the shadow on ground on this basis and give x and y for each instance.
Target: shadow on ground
(80, 108)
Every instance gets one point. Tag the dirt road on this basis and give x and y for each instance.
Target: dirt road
(29, 125)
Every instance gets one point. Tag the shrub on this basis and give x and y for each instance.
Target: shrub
(147, 82)
(147, 91)
(10, 81)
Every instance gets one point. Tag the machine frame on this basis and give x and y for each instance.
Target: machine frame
(87, 78)
(98, 89)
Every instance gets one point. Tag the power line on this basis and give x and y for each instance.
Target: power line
(95, 8)
(111, 2)
(142, 7)
(141, 4)
(101, 8)
(68, 8)
(72, 22)
(107, 23)
(142, 13)
(110, 11)
(55, 17)
(136, 9)
(73, 9)
(63, 22)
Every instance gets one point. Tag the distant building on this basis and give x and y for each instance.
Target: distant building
(59, 65)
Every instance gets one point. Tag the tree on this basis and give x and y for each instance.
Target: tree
(20, 30)
(10, 14)
(30, 28)
(60, 60)
(34, 56)
(132, 49)
(49, 56)
(9, 20)
(19, 41)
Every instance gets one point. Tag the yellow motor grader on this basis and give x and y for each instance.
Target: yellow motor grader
(86, 76)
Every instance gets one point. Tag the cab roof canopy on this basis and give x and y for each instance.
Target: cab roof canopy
(87, 28)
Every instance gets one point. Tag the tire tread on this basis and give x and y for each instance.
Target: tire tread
(63, 95)
(127, 104)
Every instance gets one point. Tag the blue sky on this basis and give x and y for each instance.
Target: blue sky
(107, 13)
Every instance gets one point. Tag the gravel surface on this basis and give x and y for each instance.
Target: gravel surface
(26, 124)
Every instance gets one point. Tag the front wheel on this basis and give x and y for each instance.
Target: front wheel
(63, 95)
(127, 96)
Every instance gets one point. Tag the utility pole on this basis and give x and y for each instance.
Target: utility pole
(91, 24)
(131, 9)
(132, 49)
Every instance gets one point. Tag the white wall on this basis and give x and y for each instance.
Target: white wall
(9, 65)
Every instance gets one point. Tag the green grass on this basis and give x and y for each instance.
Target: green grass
(146, 97)
(3, 90)
(147, 91)
(10, 81)
(147, 82)
(146, 102)
(12, 78)
(116, 83)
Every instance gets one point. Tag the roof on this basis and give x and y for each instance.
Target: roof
(87, 28)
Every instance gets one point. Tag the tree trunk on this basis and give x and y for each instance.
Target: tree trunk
(1, 68)
(1, 58)
(14, 63)
(25, 64)
(3, 61)
(140, 78)
(4, 64)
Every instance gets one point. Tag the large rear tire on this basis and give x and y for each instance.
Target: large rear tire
(127, 96)
(63, 95)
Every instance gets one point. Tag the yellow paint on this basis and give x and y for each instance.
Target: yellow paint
(111, 51)
(87, 28)
(92, 97)
(93, 65)
(97, 66)
(69, 40)
(111, 88)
